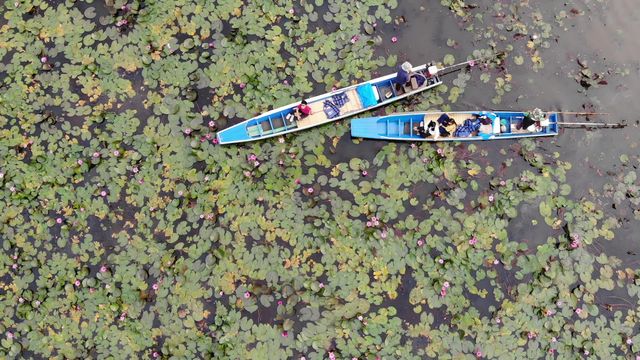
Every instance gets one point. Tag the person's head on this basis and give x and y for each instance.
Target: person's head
(485, 121)
(304, 102)
(406, 66)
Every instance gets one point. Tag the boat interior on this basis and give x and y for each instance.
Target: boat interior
(358, 99)
(509, 124)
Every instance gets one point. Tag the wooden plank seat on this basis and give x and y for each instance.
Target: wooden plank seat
(318, 116)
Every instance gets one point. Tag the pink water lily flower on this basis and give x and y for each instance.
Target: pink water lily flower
(116, 153)
(491, 198)
(441, 261)
(155, 286)
(394, 39)
(291, 11)
(355, 38)
(242, 85)
(473, 240)
(96, 154)
(503, 183)
(247, 295)
(59, 220)
(285, 334)
(364, 173)
(310, 190)
(80, 162)
(443, 292)
(446, 284)
(77, 283)
(103, 269)
(420, 242)
(578, 311)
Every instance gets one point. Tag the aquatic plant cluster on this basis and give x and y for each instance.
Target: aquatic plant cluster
(128, 233)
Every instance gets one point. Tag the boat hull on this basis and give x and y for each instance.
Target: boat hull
(401, 127)
(275, 122)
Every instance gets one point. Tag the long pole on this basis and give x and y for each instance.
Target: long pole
(587, 125)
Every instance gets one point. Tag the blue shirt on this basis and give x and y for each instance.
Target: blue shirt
(469, 127)
(402, 77)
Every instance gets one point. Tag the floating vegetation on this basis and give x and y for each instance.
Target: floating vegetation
(127, 232)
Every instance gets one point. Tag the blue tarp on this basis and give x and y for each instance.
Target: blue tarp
(367, 96)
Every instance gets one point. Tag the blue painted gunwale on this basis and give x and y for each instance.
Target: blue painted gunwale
(238, 133)
(389, 127)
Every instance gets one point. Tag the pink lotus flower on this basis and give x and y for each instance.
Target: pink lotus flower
(446, 284)
(425, 160)
(187, 131)
(376, 223)
(14, 266)
(441, 261)
(242, 85)
(297, 181)
(332, 356)
(503, 183)
(553, 339)
(96, 154)
(116, 153)
(77, 283)
(394, 39)
(440, 151)
(252, 157)
(103, 193)
(479, 353)
(155, 354)
(496, 262)
(59, 220)
(491, 198)
(285, 81)
(215, 141)
(364, 173)
(103, 269)
(498, 321)
(575, 244)
(443, 292)
(44, 59)
(247, 173)
(369, 224)
(37, 303)
(247, 295)
(629, 341)
(92, 290)
(472, 63)
(285, 334)
(256, 163)
(180, 193)
(135, 169)
(12, 189)
(155, 286)
(20, 300)
(279, 302)
(10, 335)
(208, 136)
(586, 352)
(80, 162)
(355, 38)
(578, 311)
(360, 318)
(321, 285)
(473, 240)
(383, 234)
(531, 335)
(212, 123)
(310, 190)
(420, 242)
(291, 11)
(141, 181)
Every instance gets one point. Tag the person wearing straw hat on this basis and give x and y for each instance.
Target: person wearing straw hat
(404, 73)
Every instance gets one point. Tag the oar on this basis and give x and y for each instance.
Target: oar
(588, 124)
(464, 63)
(578, 113)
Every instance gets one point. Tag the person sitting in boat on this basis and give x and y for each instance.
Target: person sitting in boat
(470, 127)
(404, 73)
(446, 125)
(302, 111)
(534, 121)
(431, 129)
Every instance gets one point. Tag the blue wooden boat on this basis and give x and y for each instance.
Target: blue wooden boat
(405, 126)
(353, 99)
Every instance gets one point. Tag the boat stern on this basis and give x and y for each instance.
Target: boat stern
(365, 128)
(234, 134)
